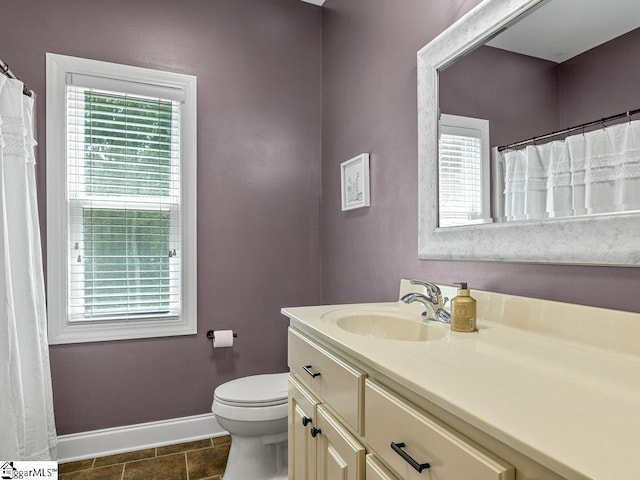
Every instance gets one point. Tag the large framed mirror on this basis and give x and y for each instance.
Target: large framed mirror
(518, 86)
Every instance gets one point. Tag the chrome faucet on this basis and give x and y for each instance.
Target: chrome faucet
(432, 301)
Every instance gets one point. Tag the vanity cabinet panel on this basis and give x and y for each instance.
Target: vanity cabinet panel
(331, 379)
(421, 438)
(302, 446)
(375, 470)
(339, 455)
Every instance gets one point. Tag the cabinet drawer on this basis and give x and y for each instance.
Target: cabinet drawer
(332, 380)
(419, 437)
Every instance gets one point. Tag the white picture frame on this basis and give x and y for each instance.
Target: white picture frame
(354, 182)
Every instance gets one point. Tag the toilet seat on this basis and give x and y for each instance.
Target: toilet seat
(254, 391)
(253, 398)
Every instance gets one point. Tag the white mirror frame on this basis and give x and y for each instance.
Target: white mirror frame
(612, 239)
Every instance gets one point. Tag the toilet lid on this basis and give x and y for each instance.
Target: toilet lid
(270, 389)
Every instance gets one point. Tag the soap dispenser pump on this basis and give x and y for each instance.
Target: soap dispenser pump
(463, 310)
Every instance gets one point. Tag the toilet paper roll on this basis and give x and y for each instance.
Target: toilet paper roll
(223, 338)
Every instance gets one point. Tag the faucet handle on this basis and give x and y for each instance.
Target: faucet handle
(433, 291)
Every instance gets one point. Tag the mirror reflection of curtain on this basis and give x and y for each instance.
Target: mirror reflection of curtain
(588, 173)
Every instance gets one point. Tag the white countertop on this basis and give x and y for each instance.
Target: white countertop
(572, 407)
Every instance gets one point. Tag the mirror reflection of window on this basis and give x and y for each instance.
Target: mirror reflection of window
(463, 173)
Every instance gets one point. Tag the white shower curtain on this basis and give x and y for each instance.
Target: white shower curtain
(588, 173)
(27, 430)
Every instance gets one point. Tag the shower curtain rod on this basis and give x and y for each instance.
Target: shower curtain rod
(571, 129)
(4, 68)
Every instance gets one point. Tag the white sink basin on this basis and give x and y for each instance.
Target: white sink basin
(389, 324)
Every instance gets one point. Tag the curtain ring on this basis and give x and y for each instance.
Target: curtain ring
(629, 116)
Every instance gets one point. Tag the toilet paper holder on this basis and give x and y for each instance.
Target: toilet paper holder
(211, 336)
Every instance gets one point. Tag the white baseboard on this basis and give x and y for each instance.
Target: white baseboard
(99, 443)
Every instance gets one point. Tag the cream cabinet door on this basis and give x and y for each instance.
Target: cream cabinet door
(375, 470)
(302, 446)
(339, 455)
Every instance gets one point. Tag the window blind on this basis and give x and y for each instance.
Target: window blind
(123, 192)
(460, 179)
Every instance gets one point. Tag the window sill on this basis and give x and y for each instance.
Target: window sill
(103, 332)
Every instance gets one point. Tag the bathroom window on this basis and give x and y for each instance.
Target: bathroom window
(463, 173)
(121, 201)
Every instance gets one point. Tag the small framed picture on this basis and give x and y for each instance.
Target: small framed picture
(354, 176)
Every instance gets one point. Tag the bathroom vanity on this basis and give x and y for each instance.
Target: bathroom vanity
(544, 390)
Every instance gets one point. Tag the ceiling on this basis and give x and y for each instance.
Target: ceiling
(561, 29)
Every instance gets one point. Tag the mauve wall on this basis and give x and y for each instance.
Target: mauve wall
(499, 85)
(258, 66)
(369, 105)
(601, 82)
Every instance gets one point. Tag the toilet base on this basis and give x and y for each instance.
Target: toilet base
(250, 458)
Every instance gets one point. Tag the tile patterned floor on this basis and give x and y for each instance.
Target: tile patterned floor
(199, 460)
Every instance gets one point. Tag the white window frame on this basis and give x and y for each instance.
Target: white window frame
(60, 329)
(478, 128)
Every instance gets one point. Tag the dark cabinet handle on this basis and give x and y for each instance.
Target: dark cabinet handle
(315, 431)
(309, 370)
(397, 447)
(305, 421)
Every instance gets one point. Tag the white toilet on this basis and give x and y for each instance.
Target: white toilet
(254, 411)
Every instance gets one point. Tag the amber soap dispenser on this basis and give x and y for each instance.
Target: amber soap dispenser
(463, 310)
